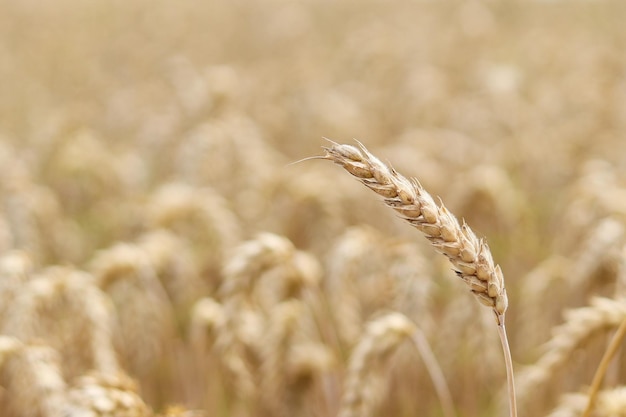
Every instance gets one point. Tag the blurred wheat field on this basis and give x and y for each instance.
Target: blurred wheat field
(161, 256)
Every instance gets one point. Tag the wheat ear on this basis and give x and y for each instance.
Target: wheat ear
(469, 255)
(381, 337)
(104, 395)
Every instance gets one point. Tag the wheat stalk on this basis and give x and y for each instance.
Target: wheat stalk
(469, 255)
(580, 324)
(603, 366)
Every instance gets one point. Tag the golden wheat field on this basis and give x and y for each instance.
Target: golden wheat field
(167, 249)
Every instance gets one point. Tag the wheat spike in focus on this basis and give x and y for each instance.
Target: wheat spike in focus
(469, 255)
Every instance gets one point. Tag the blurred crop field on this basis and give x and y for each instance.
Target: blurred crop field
(162, 255)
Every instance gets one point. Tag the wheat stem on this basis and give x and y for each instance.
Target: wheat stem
(510, 382)
(435, 372)
(604, 365)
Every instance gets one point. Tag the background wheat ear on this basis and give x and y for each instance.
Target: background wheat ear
(469, 255)
(381, 337)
